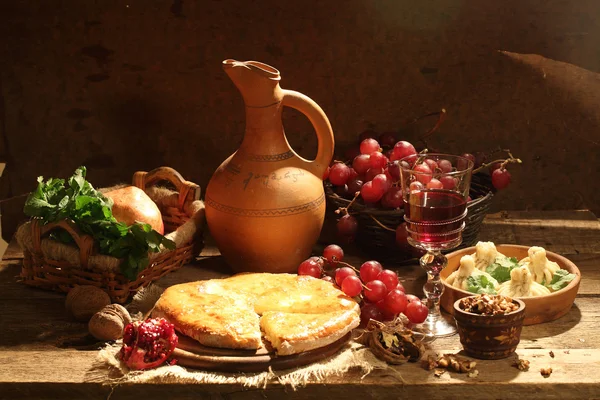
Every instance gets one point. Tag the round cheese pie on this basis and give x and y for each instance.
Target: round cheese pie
(293, 313)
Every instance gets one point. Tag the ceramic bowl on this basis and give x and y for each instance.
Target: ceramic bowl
(539, 309)
(489, 337)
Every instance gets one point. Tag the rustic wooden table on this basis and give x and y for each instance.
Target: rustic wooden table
(38, 358)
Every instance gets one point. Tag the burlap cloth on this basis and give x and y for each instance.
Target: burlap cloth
(109, 370)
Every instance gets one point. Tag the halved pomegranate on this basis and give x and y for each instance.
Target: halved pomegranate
(148, 344)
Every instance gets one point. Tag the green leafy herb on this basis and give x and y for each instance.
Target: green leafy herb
(481, 284)
(560, 279)
(91, 211)
(501, 267)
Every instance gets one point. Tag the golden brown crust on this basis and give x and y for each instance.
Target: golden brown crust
(300, 312)
(212, 320)
(294, 333)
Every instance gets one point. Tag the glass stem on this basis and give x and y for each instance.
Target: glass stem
(433, 263)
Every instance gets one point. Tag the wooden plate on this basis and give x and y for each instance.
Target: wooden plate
(190, 353)
(537, 309)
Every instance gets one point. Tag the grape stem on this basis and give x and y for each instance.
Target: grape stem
(345, 264)
(504, 162)
(380, 224)
(441, 117)
(344, 210)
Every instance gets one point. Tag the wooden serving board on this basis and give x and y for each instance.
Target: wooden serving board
(190, 353)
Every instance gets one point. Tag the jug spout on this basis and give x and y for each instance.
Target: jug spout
(257, 82)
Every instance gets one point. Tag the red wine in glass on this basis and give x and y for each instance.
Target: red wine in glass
(434, 215)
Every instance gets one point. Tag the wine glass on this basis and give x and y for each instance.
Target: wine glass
(435, 189)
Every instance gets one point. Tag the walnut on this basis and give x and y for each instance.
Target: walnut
(485, 304)
(429, 364)
(439, 372)
(450, 362)
(521, 365)
(546, 372)
(108, 323)
(84, 301)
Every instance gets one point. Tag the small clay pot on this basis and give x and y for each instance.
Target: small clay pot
(489, 337)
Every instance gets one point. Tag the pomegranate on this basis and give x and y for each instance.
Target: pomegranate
(148, 344)
(132, 204)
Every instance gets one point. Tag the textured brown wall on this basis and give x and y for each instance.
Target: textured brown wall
(124, 85)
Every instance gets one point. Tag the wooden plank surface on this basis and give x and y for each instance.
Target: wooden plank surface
(44, 354)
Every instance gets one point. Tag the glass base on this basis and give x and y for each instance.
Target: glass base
(438, 325)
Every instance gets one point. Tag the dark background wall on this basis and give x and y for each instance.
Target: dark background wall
(130, 85)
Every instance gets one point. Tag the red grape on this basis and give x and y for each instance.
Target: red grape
(353, 175)
(434, 184)
(431, 164)
(401, 236)
(369, 146)
(387, 139)
(500, 178)
(339, 174)
(381, 182)
(388, 176)
(377, 160)
(370, 270)
(400, 287)
(416, 312)
(394, 170)
(369, 311)
(445, 166)
(480, 158)
(354, 186)
(351, 286)
(388, 153)
(412, 297)
(494, 167)
(448, 182)
(423, 173)
(389, 279)
(311, 267)
(461, 164)
(392, 198)
(375, 291)
(416, 186)
(380, 304)
(367, 134)
(327, 278)
(326, 173)
(385, 313)
(342, 273)
(372, 173)
(347, 226)
(342, 191)
(333, 253)
(395, 302)
(361, 163)
(370, 194)
(402, 149)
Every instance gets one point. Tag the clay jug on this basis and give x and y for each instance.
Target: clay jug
(265, 204)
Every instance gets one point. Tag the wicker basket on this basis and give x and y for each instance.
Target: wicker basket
(380, 242)
(51, 273)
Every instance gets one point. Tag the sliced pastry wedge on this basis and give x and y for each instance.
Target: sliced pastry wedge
(291, 333)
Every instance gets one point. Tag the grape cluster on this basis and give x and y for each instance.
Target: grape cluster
(373, 173)
(380, 293)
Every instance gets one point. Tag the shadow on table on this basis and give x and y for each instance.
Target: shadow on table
(552, 328)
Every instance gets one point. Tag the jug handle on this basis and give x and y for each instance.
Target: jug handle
(319, 120)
